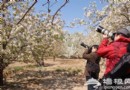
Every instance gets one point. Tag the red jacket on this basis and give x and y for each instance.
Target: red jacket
(113, 52)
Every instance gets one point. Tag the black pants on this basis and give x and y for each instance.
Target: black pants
(92, 75)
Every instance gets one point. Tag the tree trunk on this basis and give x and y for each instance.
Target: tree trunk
(1, 72)
(43, 64)
(4, 44)
(54, 58)
(1, 77)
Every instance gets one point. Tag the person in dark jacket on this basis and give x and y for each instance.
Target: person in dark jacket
(92, 68)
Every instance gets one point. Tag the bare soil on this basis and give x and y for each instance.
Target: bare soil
(62, 74)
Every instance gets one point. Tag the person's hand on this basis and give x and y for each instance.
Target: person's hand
(94, 49)
(105, 36)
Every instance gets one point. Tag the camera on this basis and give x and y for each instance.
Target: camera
(84, 45)
(100, 29)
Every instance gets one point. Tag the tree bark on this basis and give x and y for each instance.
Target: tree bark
(1, 73)
(1, 77)
(54, 58)
(43, 64)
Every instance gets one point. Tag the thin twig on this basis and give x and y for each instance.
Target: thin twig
(27, 12)
(59, 10)
(3, 5)
(53, 3)
(46, 3)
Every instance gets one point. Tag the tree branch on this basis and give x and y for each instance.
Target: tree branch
(3, 5)
(126, 16)
(127, 11)
(66, 1)
(49, 6)
(53, 3)
(27, 12)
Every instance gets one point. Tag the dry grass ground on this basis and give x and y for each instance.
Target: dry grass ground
(62, 74)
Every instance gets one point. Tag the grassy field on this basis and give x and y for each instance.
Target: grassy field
(62, 74)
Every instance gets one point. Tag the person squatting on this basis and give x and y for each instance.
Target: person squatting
(115, 48)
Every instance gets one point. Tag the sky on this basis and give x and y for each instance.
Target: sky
(72, 10)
